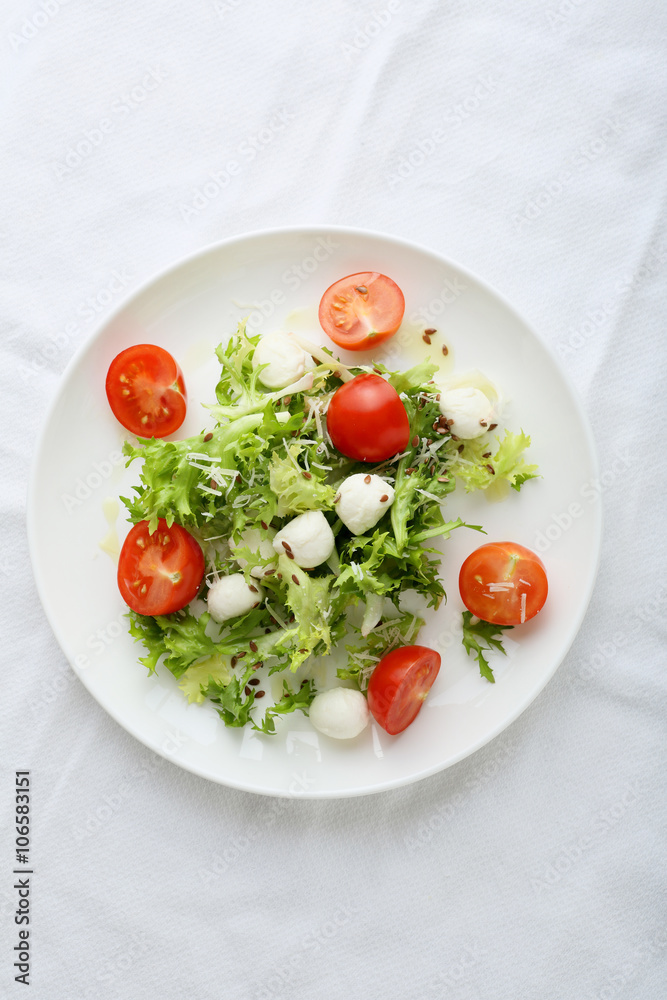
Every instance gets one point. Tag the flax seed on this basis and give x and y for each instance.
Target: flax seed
(487, 454)
(289, 554)
(260, 694)
(491, 470)
(253, 646)
(367, 479)
(384, 498)
(246, 690)
(253, 681)
(307, 475)
(270, 571)
(209, 437)
(445, 350)
(336, 498)
(492, 427)
(287, 400)
(431, 330)
(482, 423)
(287, 547)
(295, 579)
(233, 661)
(264, 525)
(415, 441)
(426, 338)
(254, 589)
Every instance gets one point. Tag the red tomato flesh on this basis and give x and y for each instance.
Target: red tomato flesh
(503, 583)
(159, 573)
(366, 419)
(146, 391)
(360, 311)
(399, 684)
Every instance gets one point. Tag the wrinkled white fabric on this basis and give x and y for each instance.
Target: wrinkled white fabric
(525, 140)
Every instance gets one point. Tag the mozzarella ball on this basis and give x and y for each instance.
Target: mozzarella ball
(285, 359)
(362, 500)
(341, 713)
(256, 542)
(469, 412)
(231, 596)
(308, 537)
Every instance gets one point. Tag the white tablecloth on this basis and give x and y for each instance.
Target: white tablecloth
(525, 140)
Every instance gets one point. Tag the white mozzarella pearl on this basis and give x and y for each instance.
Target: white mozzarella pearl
(308, 537)
(341, 713)
(363, 499)
(231, 596)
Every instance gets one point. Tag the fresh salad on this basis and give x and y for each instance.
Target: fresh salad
(306, 517)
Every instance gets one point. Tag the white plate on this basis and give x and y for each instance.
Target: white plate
(189, 310)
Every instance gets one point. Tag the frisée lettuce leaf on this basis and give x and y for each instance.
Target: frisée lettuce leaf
(477, 466)
(268, 458)
(297, 489)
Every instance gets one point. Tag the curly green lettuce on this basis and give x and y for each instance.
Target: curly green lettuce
(478, 466)
(297, 489)
(267, 459)
(482, 637)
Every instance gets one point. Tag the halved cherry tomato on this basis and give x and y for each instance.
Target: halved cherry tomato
(159, 573)
(503, 583)
(399, 684)
(360, 311)
(366, 419)
(146, 391)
